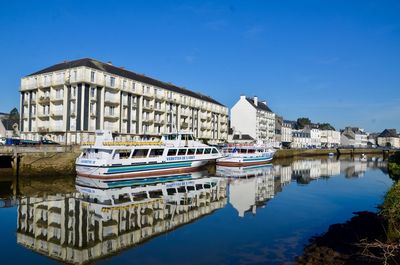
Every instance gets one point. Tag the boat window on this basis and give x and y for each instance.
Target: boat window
(121, 154)
(171, 152)
(190, 137)
(171, 191)
(243, 151)
(140, 153)
(182, 152)
(156, 152)
(190, 188)
(199, 187)
(140, 196)
(251, 151)
(191, 151)
(214, 151)
(207, 151)
(171, 137)
(155, 194)
(182, 189)
(199, 151)
(207, 186)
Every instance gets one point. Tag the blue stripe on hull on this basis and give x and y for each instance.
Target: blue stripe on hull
(149, 167)
(137, 182)
(257, 159)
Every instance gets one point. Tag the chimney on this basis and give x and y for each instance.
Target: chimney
(256, 100)
(264, 102)
(242, 97)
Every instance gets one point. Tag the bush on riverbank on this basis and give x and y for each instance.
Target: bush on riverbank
(394, 166)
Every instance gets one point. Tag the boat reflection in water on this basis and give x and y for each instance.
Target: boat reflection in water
(252, 187)
(93, 223)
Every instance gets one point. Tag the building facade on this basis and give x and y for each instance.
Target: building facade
(330, 138)
(255, 118)
(300, 139)
(389, 138)
(67, 102)
(354, 137)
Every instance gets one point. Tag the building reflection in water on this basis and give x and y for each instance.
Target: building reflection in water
(91, 224)
(253, 187)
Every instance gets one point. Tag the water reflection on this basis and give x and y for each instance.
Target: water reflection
(91, 224)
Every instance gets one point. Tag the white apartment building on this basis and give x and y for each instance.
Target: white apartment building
(315, 135)
(287, 130)
(330, 138)
(354, 137)
(67, 102)
(255, 118)
(300, 139)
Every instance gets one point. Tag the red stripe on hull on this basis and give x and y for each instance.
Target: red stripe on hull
(242, 164)
(141, 174)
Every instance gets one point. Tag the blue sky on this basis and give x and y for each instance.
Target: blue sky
(332, 61)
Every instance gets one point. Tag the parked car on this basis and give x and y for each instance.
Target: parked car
(45, 141)
(2, 141)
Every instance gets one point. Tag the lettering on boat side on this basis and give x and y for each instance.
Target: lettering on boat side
(180, 158)
(86, 161)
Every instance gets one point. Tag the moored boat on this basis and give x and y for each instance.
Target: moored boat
(251, 155)
(176, 153)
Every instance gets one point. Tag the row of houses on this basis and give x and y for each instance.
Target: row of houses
(252, 120)
(69, 101)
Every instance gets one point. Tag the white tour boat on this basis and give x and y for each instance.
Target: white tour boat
(106, 160)
(250, 155)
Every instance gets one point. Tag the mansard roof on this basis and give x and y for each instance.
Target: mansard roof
(109, 68)
(260, 105)
(389, 133)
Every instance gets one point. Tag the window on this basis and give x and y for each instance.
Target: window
(199, 151)
(92, 76)
(207, 151)
(112, 81)
(191, 151)
(111, 110)
(171, 152)
(140, 153)
(124, 84)
(214, 151)
(156, 152)
(92, 92)
(74, 91)
(182, 152)
(122, 154)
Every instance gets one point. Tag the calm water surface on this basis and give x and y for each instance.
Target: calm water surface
(261, 215)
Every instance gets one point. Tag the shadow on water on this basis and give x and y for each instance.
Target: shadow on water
(80, 225)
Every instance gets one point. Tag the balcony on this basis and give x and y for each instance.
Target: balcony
(56, 114)
(148, 95)
(57, 99)
(148, 107)
(147, 120)
(113, 101)
(43, 115)
(185, 113)
(44, 100)
(159, 122)
(111, 116)
(42, 129)
(159, 109)
(160, 97)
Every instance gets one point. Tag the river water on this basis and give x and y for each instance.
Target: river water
(261, 215)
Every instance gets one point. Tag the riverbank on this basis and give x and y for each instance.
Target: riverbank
(54, 160)
(367, 238)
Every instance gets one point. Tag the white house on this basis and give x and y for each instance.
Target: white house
(300, 139)
(354, 137)
(389, 138)
(315, 135)
(255, 118)
(330, 138)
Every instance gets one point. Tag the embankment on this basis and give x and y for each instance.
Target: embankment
(367, 238)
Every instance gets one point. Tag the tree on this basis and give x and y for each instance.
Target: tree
(302, 122)
(326, 126)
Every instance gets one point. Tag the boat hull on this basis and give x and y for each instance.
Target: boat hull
(243, 162)
(102, 176)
